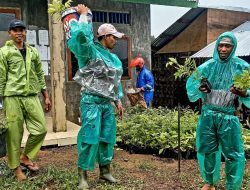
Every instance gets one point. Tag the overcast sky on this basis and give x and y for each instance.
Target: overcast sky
(163, 16)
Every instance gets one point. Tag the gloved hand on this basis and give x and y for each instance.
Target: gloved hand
(241, 93)
(205, 86)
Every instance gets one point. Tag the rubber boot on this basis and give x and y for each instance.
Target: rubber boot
(82, 178)
(105, 174)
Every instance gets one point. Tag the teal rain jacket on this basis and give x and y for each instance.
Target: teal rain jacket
(100, 76)
(99, 70)
(19, 76)
(214, 70)
(218, 129)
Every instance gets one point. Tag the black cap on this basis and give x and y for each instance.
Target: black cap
(16, 24)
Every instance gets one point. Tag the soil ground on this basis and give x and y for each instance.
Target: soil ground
(137, 171)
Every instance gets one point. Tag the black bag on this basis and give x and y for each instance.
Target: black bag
(2, 145)
(2, 135)
(206, 84)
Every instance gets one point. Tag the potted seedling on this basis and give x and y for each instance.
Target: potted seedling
(184, 71)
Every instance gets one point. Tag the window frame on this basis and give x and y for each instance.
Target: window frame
(129, 57)
(15, 11)
(109, 19)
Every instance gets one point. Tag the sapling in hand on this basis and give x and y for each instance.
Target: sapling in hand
(184, 70)
(241, 83)
(189, 67)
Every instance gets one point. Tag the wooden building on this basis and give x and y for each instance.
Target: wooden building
(193, 31)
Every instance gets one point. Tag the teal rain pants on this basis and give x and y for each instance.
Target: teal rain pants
(20, 109)
(218, 132)
(97, 136)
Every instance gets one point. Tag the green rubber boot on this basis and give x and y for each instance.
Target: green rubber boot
(82, 178)
(106, 175)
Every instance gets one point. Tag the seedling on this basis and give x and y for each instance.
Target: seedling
(57, 7)
(242, 81)
(185, 70)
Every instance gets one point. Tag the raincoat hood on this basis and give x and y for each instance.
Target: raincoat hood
(233, 40)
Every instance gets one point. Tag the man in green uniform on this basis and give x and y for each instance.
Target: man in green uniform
(218, 129)
(21, 80)
(100, 74)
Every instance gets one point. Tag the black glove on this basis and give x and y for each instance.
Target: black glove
(205, 86)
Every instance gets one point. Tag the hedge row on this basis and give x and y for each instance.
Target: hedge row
(156, 129)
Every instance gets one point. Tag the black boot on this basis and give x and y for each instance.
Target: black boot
(82, 178)
(105, 173)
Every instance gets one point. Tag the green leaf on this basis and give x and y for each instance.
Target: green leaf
(182, 70)
(57, 7)
(161, 151)
(242, 81)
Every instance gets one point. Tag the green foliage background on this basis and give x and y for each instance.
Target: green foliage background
(157, 129)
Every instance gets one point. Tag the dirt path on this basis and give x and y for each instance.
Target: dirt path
(137, 171)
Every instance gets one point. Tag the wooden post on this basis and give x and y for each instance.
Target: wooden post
(57, 52)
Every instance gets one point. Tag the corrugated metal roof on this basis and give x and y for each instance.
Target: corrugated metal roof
(242, 33)
(239, 5)
(176, 28)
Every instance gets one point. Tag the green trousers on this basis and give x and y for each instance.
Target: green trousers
(18, 110)
(219, 132)
(97, 136)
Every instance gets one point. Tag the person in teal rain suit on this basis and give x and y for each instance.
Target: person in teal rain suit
(99, 74)
(218, 128)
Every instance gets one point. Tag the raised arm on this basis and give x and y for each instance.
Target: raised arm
(82, 38)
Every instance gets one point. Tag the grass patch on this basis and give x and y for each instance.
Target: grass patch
(52, 177)
(60, 178)
(146, 166)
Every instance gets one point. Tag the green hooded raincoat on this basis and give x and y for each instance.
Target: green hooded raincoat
(218, 128)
